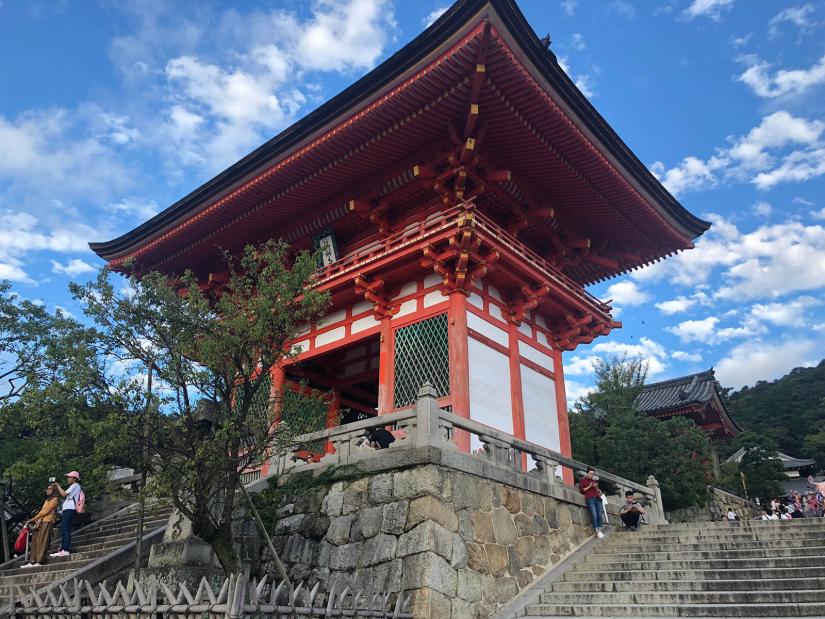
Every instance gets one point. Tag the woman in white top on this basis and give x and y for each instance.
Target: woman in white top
(72, 496)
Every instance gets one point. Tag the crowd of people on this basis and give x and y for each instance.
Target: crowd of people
(795, 505)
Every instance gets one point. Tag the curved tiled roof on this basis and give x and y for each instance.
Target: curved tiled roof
(678, 392)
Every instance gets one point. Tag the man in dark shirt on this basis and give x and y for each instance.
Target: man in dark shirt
(631, 512)
(381, 438)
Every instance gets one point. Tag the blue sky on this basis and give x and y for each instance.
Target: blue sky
(110, 111)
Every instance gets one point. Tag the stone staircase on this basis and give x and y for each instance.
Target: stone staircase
(719, 569)
(91, 543)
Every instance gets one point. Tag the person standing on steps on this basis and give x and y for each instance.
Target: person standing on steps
(41, 527)
(73, 503)
(589, 487)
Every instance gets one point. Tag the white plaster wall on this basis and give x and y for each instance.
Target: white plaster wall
(490, 402)
(541, 422)
(327, 337)
(488, 329)
(362, 324)
(407, 307)
(433, 298)
(535, 355)
(331, 319)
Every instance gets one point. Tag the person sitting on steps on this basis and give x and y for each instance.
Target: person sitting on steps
(631, 512)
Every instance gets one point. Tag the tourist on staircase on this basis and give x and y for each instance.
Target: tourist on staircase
(41, 525)
(589, 487)
(73, 504)
(631, 512)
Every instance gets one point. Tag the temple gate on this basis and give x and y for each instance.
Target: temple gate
(463, 193)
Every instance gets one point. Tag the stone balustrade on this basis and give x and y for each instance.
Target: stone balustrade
(428, 426)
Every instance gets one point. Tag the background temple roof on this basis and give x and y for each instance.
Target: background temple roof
(697, 388)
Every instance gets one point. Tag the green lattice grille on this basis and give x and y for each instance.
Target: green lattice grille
(421, 355)
(304, 414)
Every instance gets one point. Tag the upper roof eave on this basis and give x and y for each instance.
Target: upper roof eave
(450, 23)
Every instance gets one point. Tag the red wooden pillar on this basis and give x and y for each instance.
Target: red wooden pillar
(277, 376)
(516, 395)
(386, 368)
(332, 416)
(459, 363)
(561, 412)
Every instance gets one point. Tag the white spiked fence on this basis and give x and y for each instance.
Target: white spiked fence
(238, 598)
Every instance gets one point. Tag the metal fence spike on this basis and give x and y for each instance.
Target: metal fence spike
(168, 594)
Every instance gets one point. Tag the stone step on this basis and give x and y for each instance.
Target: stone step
(724, 525)
(641, 586)
(58, 562)
(711, 555)
(812, 609)
(611, 548)
(685, 597)
(98, 536)
(115, 527)
(619, 563)
(696, 574)
(630, 540)
(44, 576)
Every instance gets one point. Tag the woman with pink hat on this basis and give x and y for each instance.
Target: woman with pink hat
(73, 503)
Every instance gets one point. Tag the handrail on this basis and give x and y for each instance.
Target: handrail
(427, 425)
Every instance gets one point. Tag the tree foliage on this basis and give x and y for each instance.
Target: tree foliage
(608, 432)
(210, 357)
(790, 411)
(60, 408)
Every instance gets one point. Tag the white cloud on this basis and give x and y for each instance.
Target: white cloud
(797, 167)
(430, 18)
(820, 214)
(344, 35)
(580, 365)
(754, 156)
(569, 7)
(742, 41)
(650, 351)
(675, 306)
(72, 268)
(680, 355)
(762, 208)
(627, 292)
(696, 330)
(803, 201)
(711, 9)
(784, 82)
(799, 16)
(788, 314)
(583, 81)
(222, 106)
(753, 361)
(577, 41)
(14, 273)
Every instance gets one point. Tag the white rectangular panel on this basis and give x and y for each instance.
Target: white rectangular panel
(541, 421)
(362, 324)
(487, 329)
(490, 402)
(535, 355)
(333, 335)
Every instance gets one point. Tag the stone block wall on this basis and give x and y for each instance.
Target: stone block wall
(463, 544)
(716, 507)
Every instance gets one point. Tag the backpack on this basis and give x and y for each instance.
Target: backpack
(81, 503)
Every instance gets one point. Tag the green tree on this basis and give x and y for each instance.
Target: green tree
(608, 432)
(761, 469)
(210, 356)
(59, 409)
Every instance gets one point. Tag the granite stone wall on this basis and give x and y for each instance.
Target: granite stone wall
(463, 544)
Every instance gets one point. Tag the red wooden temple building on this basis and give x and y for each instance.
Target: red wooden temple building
(465, 193)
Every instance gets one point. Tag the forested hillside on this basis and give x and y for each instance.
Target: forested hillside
(791, 410)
